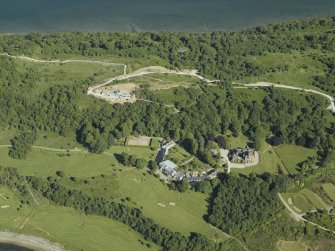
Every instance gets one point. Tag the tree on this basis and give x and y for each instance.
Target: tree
(191, 145)
(153, 166)
(141, 163)
(221, 141)
(22, 145)
(181, 186)
(60, 174)
(203, 186)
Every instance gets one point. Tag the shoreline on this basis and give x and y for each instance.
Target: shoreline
(190, 28)
(29, 241)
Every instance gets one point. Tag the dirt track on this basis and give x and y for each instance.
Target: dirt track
(266, 84)
(162, 70)
(299, 217)
(143, 72)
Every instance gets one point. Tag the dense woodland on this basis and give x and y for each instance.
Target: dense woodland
(223, 55)
(238, 204)
(327, 82)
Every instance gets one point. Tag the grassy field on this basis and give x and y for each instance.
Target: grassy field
(72, 229)
(329, 189)
(297, 68)
(237, 142)
(53, 140)
(268, 162)
(178, 155)
(182, 212)
(292, 155)
(104, 176)
(292, 246)
(315, 199)
(163, 81)
(6, 136)
(132, 63)
(304, 201)
(69, 73)
(44, 163)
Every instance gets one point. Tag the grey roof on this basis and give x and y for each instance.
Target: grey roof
(168, 164)
(196, 179)
(178, 176)
(168, 167)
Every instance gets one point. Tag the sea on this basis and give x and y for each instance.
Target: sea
(12, 247)
(21, 16)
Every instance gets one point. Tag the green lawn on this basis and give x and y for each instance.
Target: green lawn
(155, 143)
(182, 212)
(292, 155)
(329, 188)
(300, 203)
(106, 177)
(67, 226)
(178, 155)
(268, 162)
(237, 142)
(304, 201)
(44, 163)
(6, 136)
(292, 246)
(69, 73)
(54, 140)
(315, 199)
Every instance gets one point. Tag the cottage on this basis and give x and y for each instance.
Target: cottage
(168, 167)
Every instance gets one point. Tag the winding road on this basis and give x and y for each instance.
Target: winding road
(163, 70)
(266, 84)
(147, 71)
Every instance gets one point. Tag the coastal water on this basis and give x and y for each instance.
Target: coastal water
(152, 15)
(11, 247)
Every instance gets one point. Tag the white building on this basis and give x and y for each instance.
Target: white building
(168, 146)
(168, 167)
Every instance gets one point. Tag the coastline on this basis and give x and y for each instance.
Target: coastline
(28, 241)
(170, 29)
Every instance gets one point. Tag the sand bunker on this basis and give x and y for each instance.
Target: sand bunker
(161, 204)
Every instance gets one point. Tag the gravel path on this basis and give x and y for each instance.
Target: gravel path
(266, 84)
